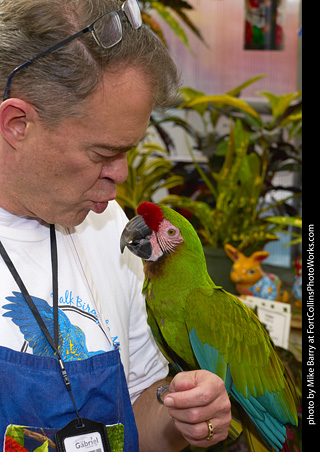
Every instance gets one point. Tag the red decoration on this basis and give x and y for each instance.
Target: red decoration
(263, 25)
(11, 445)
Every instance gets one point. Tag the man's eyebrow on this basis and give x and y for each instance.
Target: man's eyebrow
(116, 149)
(112, 148)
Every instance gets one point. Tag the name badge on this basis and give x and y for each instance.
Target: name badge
(84, 436)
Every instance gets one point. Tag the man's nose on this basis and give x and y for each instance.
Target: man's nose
(116, 168)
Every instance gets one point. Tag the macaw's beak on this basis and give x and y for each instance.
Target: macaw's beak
(135, 237)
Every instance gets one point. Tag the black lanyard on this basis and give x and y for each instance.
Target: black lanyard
(53, 342)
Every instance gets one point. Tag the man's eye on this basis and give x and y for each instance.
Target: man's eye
(97, 158)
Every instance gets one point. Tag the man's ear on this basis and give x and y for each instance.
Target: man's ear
(16, 116)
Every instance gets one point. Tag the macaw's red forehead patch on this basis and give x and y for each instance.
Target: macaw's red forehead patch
(152, 214)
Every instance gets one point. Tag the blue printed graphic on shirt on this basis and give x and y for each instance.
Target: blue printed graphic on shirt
(71, 302)
(72, 344)
(69, 299)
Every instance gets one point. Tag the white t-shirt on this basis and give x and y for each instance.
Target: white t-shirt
(99, 293)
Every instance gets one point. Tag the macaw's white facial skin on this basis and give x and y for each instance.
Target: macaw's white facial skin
(165, 240)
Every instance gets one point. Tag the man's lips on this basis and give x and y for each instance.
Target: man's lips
(99, 207)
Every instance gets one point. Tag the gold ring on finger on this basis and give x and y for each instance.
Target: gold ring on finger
(210, 427)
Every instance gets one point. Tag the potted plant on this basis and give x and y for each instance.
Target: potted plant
(235, 200)
(232, 213)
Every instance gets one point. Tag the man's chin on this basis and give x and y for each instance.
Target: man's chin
(97, 208)
(70, 221)
(75, 218)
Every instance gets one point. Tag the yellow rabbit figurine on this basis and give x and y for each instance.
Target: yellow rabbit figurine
(250, 279)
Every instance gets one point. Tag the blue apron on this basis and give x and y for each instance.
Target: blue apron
(33, 393)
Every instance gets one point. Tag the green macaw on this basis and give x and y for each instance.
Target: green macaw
(198, 325)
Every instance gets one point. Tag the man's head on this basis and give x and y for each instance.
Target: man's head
(72, 114)
(56, 83)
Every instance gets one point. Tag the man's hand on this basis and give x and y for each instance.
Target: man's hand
(196, 397)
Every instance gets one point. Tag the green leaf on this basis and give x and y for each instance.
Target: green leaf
(283, 221)
(293, 242)
(125, 201)
(171, 21)
(190, 95)
(160, 166)
(224, 99)
(279, 104)
(286, 221)
(256, 120)
(189, 23)
(172, 182)
(149, 169)
(116, 437)
(200, 171)
(178, 122)
(200, 209)
(245, 174)
(237, 90)
(294, 118)
(16, 432)
(152, 147)
(221, 148)
(43, 448)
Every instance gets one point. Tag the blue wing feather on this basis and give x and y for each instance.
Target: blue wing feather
(210, 359)
(72, 344)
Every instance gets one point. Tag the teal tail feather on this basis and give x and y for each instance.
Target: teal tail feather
(270, 429)
(268, 414)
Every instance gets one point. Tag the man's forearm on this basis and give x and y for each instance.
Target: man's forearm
(156, 428)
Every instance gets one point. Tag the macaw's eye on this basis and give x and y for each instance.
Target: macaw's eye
(171, 232)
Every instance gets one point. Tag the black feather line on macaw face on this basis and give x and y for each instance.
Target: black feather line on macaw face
(163, 245)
